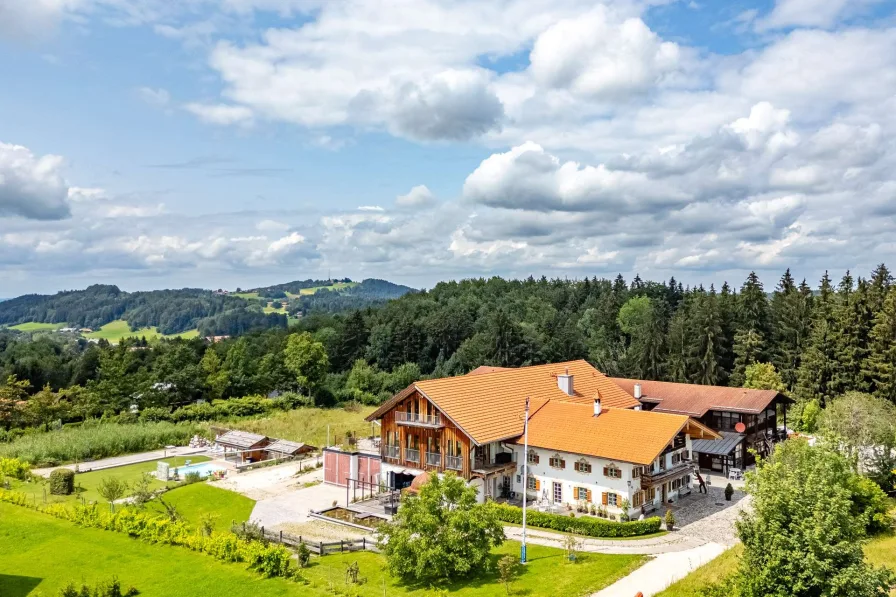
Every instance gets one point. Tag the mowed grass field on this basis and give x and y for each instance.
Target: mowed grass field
(115, 331)
(308, 425)
(42, 554)
(194, 500)
(33, 326)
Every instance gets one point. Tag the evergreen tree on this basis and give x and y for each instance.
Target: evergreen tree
(880, 366)
(791, 313)
(678, 341)
(748, 351)
(816, 373)
(707, 340)
(352, 340)
(753, 306)
(852, 329)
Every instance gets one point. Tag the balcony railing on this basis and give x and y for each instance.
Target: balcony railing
(433, 459)
(391, 452)
(653, 479)
(412, 455)
(455, 463)
(418, 420)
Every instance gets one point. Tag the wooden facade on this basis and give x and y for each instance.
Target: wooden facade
(416, 435)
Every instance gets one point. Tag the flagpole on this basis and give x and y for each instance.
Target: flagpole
(525, 478)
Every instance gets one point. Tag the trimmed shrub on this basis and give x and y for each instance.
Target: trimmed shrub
(670, 520)
(592, 527)
(62, 482)
(729, 491)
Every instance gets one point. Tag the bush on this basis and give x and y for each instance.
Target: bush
(303, 554)
(870, 505)
(15, 468)
(592, 527)
(105, 589)
(154, 414)
(670, 520)
(62, 482)
(729, 491)
(192, 477)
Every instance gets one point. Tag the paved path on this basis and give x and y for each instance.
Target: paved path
(662, 571)
(95, 465)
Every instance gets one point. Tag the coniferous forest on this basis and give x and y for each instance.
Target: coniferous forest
(813, 341)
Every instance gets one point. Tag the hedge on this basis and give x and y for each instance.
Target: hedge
(268, 559)
(580, 525)
(62, 481)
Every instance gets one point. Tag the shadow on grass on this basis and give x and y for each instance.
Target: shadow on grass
(17, 586)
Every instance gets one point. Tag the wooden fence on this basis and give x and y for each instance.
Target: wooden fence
(320, 548)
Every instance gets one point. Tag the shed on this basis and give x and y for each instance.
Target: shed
(280, 448)
(249, 447)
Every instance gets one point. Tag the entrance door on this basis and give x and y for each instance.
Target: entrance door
(665, 485)
(558, 493)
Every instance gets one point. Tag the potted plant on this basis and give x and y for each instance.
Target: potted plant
(729, 491)
(670, 520)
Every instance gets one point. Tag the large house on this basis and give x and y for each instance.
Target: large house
(588, 441)
(746, 419)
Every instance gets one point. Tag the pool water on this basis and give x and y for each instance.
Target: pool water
(203, 468)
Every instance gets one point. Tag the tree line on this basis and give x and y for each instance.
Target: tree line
(813, 343)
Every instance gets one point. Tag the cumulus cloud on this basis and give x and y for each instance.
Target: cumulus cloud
(418, 197)
(597, 56)
(811, 13)
(31, 186)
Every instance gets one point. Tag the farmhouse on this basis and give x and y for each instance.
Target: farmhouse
(746, 419)
(589, 440)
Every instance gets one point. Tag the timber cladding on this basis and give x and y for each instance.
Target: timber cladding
(444, 439)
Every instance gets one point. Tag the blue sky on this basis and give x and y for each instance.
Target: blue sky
(242, 142)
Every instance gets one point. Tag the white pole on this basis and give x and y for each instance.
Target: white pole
(525, 478)
(328, 436)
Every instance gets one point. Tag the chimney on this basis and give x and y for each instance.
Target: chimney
(597, 407)
(564, 382)
(638, 391)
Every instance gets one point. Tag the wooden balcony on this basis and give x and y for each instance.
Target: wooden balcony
(433, 459)
(656, 478)
(419, 420)
(393, 452)
(412, 456)
(455, 463)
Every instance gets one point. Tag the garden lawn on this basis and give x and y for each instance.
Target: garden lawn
(43, 554)
(196, 499)
(309, 425)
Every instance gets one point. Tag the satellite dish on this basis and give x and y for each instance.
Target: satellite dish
(740, 427)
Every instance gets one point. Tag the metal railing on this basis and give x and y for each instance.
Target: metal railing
(418, 419)
(391, 451)
(455, 463)
(412, 455)
(433, 459)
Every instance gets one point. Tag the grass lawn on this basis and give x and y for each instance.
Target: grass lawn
(91, 480)
(33, 326)
(196, 499)
(270, 309)
(309, 425)
(115, 331)
(245, 295)
(42, 554)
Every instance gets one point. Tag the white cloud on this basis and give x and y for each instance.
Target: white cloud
(596, 55)
(271, 226)
(31, 186)
(23, 19)
(811, 13)
(418, 197)
(223, 114)
(370, 208)
(158, 98)
(86, 194)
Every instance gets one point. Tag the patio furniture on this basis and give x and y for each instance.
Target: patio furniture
(735, 474)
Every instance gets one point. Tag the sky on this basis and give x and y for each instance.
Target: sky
(224, 143)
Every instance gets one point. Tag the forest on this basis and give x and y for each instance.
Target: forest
(814, 343)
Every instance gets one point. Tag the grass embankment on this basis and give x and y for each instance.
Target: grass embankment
(880, 551)
(27, 537)
(308, 425)
(117, 330)
(192, 501)
(93, 441)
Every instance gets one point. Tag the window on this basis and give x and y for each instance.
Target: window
(557, 462)
(532, 483)
(638, 499)
(532, 457)
(637, 471)
(613, 472)
(582, 494)
(651, 494)
(583, 466)
(676, 458)
(612, 498)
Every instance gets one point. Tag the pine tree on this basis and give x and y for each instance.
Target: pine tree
(791, 314)
(748, 350)
(728, 313)
(352, 341)
(679, 342)
(880, 366)
(707, 340)
(852, 327)
(818, 363)
(753, 306)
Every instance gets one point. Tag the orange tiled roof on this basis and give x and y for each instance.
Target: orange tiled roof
(695, 399)
(616, 434)
(489, 406)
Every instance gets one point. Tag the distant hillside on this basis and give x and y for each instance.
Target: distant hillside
(351, 296)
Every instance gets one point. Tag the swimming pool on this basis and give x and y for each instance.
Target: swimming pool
(203, 468)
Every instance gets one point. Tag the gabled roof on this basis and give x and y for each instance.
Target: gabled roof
(695, 400)
(282, 446)
(241, 439)
(489, 406)
(616, 434)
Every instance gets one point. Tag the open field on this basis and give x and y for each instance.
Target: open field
(33, 326)
(196, 499)
(27, 537)
(269, 309)
(313, 289)
(308, 425)
(116, 330)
